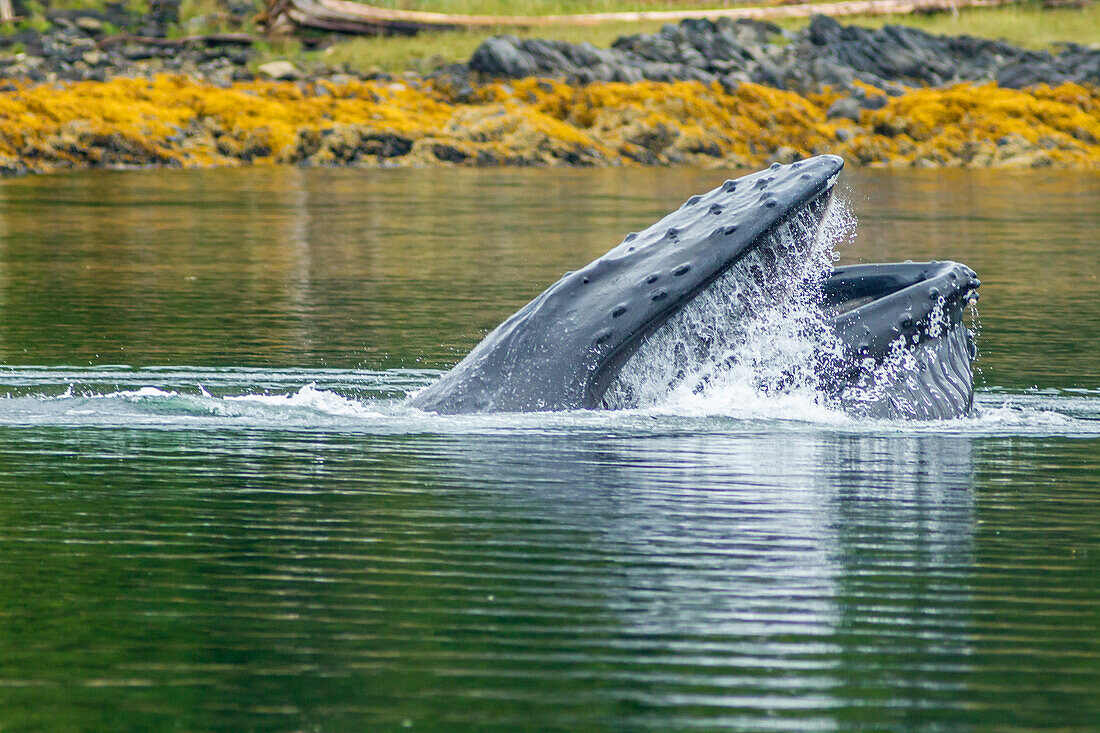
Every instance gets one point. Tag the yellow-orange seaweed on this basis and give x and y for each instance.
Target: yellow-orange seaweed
(178, 121)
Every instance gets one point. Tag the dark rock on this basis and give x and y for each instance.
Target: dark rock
(30, 40)
(485, 159)
(876, 101)
(500, 57)
(823, 30)
(845, 107)
(654, 139)
(1022, 75)
(826, 53)
(387, 146)
(448, 153)
(90, 25)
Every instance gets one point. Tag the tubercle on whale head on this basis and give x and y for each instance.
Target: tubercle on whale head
(702, 260)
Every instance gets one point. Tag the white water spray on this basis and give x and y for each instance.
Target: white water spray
(756, 332)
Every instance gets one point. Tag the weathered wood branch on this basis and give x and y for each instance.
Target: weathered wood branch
(354, 17)
(7, 13)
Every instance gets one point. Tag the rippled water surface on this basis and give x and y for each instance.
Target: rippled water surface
(216, 514)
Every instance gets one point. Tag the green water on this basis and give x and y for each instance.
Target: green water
(216, 514)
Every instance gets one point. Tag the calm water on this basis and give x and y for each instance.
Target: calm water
(215, 514)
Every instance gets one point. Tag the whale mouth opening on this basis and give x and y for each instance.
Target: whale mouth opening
(762, 312)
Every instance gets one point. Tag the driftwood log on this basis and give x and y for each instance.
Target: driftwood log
(353, 17)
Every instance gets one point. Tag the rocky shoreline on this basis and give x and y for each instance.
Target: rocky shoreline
(825, 53)
(84, 45)
(702, 93)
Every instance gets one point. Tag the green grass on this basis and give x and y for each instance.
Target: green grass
(1024, 24)
(549, 7)
(427, 51)
(39, 7)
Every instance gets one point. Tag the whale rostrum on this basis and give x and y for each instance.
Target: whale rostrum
(565, 348)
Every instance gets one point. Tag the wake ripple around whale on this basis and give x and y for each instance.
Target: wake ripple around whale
(372, 402)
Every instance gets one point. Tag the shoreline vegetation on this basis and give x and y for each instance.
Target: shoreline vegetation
(81, 94)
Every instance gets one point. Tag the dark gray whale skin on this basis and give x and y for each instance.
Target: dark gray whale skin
(915, 305)
(562, 350)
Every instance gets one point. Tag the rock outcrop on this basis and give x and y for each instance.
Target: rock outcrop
(825, 53)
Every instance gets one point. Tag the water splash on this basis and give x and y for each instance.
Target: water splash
(758, 332)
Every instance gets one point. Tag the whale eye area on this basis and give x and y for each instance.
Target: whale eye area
(681, 270)
(619, 310)
(651, 279)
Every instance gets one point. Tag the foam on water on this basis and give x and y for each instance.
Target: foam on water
(310, 398)
(183, 398)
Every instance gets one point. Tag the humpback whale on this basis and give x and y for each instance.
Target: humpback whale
(898, 347)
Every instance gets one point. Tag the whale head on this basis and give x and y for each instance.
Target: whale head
(563, 349)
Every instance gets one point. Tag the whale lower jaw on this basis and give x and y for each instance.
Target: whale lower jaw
(934, 382)
(906, 352)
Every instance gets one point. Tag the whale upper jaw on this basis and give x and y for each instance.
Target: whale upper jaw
(562, 350)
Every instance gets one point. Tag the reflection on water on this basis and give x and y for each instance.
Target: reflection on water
(641, 581)
(380, 269)
(251, 532)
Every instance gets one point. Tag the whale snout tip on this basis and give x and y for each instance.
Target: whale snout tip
(833, 162)
(819, 172)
